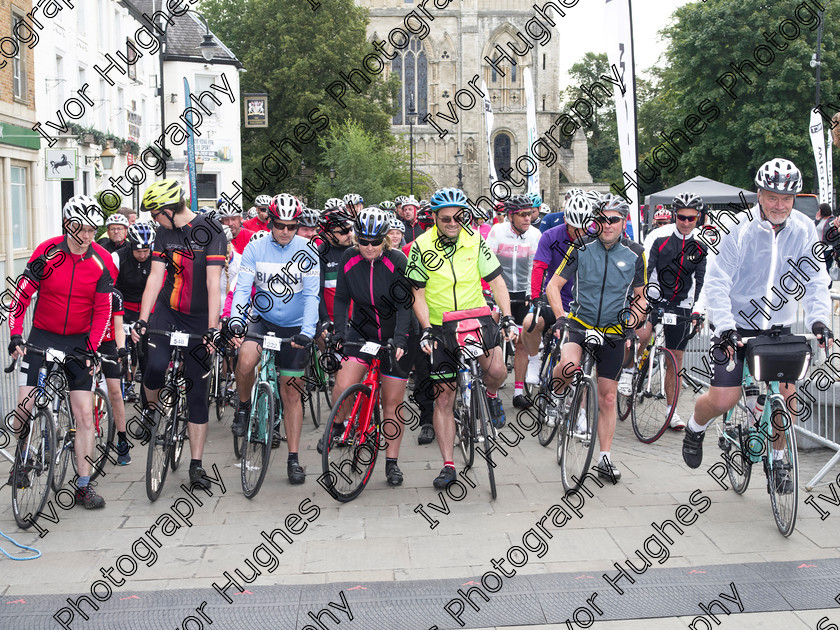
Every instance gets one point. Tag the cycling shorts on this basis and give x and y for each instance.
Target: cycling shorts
(110, 367)
(445, 357)
(609, 356)
(289, 362)
(79, 376)
(676, 335)
(386, 369)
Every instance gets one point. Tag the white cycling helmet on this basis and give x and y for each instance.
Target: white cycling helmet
(227, 209)
(395, 224)
(545, 209)
(578, 211)
(779, 176)
(616, 203)
(83, 210)
(258, 235)
(262, 201)
(116, 219)
(285, 207)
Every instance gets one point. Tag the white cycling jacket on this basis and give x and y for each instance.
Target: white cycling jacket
(515, 253)
(759, 276)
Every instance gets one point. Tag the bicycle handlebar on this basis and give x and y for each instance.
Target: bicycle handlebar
(388, 346)
(37, 350)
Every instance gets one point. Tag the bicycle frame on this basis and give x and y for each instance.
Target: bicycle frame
(364, 410)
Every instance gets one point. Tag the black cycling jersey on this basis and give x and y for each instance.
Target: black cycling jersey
(677, 264)
(382, 297)
(109, 245)
(412, 231)
(330, 256)
(132, 277)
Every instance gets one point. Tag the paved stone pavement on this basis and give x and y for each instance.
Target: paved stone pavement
(380, 537)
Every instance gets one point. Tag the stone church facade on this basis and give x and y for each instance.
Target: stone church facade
(438, 69)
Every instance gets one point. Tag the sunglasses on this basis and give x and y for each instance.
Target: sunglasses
(523, 215)
(610, 220)
(285, 226)
(341, 230)
(682, 217)
(448, 219)
(376, 242)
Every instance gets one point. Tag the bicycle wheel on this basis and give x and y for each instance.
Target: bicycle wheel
(224, 396)
(736, 428)
(313, 389)
(481, 416)
(64, 442)
(348, 462)
(215, 371)
(257, 444)
(157, 459)
(179, 432)
(105, 430)
(784, 500)
(464, 429)
(649, 409)
(577, 435)
(33, 469)
(624, 404)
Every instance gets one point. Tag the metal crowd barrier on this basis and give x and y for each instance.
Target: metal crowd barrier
(823, 423)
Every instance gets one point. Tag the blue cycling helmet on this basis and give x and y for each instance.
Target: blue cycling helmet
(372, 223)
(449, 198)
(536, 198)
(141, 235)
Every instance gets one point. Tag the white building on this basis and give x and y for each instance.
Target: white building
(97, 76)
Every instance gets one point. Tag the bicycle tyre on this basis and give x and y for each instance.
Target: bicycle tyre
(464, 429)
(223, 395)
(575, 448)
(784, 505)
(736, 423)
(256, 451)
(29, 501)
(64, 439)
(157, 458)
(648, 408)
(545, 398)
(314, 399)
(215, 372)
(179, 431)
(481, 412)
(623, 404)
(105, 430)
(358, 446)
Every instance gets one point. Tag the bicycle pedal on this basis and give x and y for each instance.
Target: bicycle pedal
(724, 444)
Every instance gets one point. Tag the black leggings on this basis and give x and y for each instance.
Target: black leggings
(196, 365)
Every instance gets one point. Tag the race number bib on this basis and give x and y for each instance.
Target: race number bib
(270, 342)
(669, 319)
(371, 348)
(181, 340)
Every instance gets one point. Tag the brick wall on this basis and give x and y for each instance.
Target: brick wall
(22, 8)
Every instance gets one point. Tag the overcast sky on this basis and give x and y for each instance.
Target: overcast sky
(580, 28)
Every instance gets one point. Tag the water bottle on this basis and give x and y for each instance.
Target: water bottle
(466, 385)
(751, 393)
(759, 407)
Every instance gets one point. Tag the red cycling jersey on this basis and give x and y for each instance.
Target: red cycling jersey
(241, 240)
(74, 291)
(255, 225)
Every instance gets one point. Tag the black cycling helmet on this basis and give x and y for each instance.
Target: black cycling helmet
(517, 203)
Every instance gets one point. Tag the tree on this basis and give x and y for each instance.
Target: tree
(364, 164)
(294, 54)
(767, 117)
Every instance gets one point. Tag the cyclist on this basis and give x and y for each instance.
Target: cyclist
(285, 303)
(190, 253)
(308, 228)
(551, 251)
(365, 276)
(74, 279)
(446, 266)
(259, 223)
(338, 236)
(388, 206)
(676, 268)
(553, 219)
(740, 280)
(117, 228)
(396, 232)
(113, 347)
(231, 217)
(662, 217)
(606, 269)
(408, 214)
(398, 202)
(424, 216)
(515, 242)
(353, 203)
(133, 266)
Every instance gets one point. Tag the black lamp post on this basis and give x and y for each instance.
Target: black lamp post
(207, 47)
(411, 114)
(302, 190)
(459, 158)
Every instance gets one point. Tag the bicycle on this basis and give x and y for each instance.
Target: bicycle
(127, 377)
(318, 383)
(647, 404)
(222, 393)
(169, 418)
(540, 394)
(266, 412)
(351, 434)
(35, 451)
(752, 438)
(104, 429)
(576, 441)
(470, 410)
